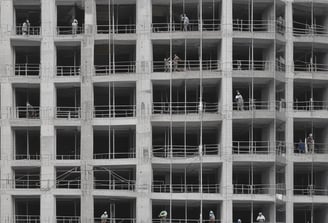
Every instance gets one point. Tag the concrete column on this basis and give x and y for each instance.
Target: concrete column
(289, 115)
(144, 99)
(226, 99)
(87, 58)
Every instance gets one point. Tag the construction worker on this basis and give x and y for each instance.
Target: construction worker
(176, 60)
(260, 217)
(185, 22)
(240, 101)
(30, 113)
(162, 215)
(211, 217)
(24, 28)
(104, 217)
(74, 26)
(239, 220)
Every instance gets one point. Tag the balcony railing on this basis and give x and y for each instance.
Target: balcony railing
(31, 31)
(255, 65)
(117, 67)
(310, 190)
(118, 220)
(27, 156)
(116, 155)
(319, 148)
(251, 147)
(29, 112)
(27, 69)
(69, 30)
(310, 105)
(184, 107)
(67, 157)
(27, 218)
(21, 182)
(257, 25)
(303, 29)
(68, 112)
(186, 65)
(104, 111)
(161, 187)
(194, 25)
(68, 70)
(184, 220)
(119, 29)
(68, 219)
(253, 188)
(114, 185)
(305, 66)
(253, 105)
(68, 184)
(166, 151)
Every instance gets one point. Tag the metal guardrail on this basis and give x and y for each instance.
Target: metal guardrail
(69, 30)
(254, 65)
(194, 25)
(27, 69)
(254, 189)
(114, 185)
(303, 29)
(184, 188)
(184, 107)
(319, 148)
(116, 67)
(30, 31)
(104, 111)
(68, 184)
(27, 157)
(251, 147)
(184, 220)
(254, 25)
(307, 66)
(68, 219)
(116, 155)
(253, 104)
(166, 151)
(310, 105)
(310, 190)
(67, 157)
(186, 65)
(21, 183)
(116, 220)
(118, 29)
(29, 112)
(68, 70)
(68, 112)
(27, 218)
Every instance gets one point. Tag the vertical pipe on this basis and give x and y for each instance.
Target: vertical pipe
(171, 113)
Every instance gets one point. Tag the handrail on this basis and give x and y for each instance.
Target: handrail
(68, 70)
(185, 188)
(166, 151)
(68, 219)
(116, 155)
(29, 112)
(122, 220)
(194, 25)
(310, 105)
(114, 185)
(68, 112)
(69, 30)
(255, 65)
(31, 31)
(27, 183)
(105, 111)
(68, 184)
(184, 107)
(251, 147)
(186, 65)
(27, 156)
(118, 28)
(307, 66)
(310, 190)
(258, 25)
(67, 157)
(300, 29)
(27, 69)
(319, 148)
(253, 104)
(184, 220)
(254, 188)
(115, 67)
(27, 218)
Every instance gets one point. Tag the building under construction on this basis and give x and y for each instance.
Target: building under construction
(131, 107)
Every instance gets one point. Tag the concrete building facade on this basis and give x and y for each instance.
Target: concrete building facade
(132, 107)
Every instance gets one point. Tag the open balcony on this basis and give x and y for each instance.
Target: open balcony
(27, 178)
(248, 211)
(190, 140)
(310, 58)
(166, 19)
(305, 212)
(68, 102)
(27, 143)
(114, 100)
(114, 178)
(257, 16)
(119, 17)
(187, 179)
(310, 180)
(27, 209)
(66, 14)
(68, 145)
(68, 178)
(114, 142)
(68, 209)
(27, 102)
(188, 97)
(185, 210)
(68, 60)
(186, 55)
(28, 18)
(118, 210)
(120, 60)
(27, 60)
